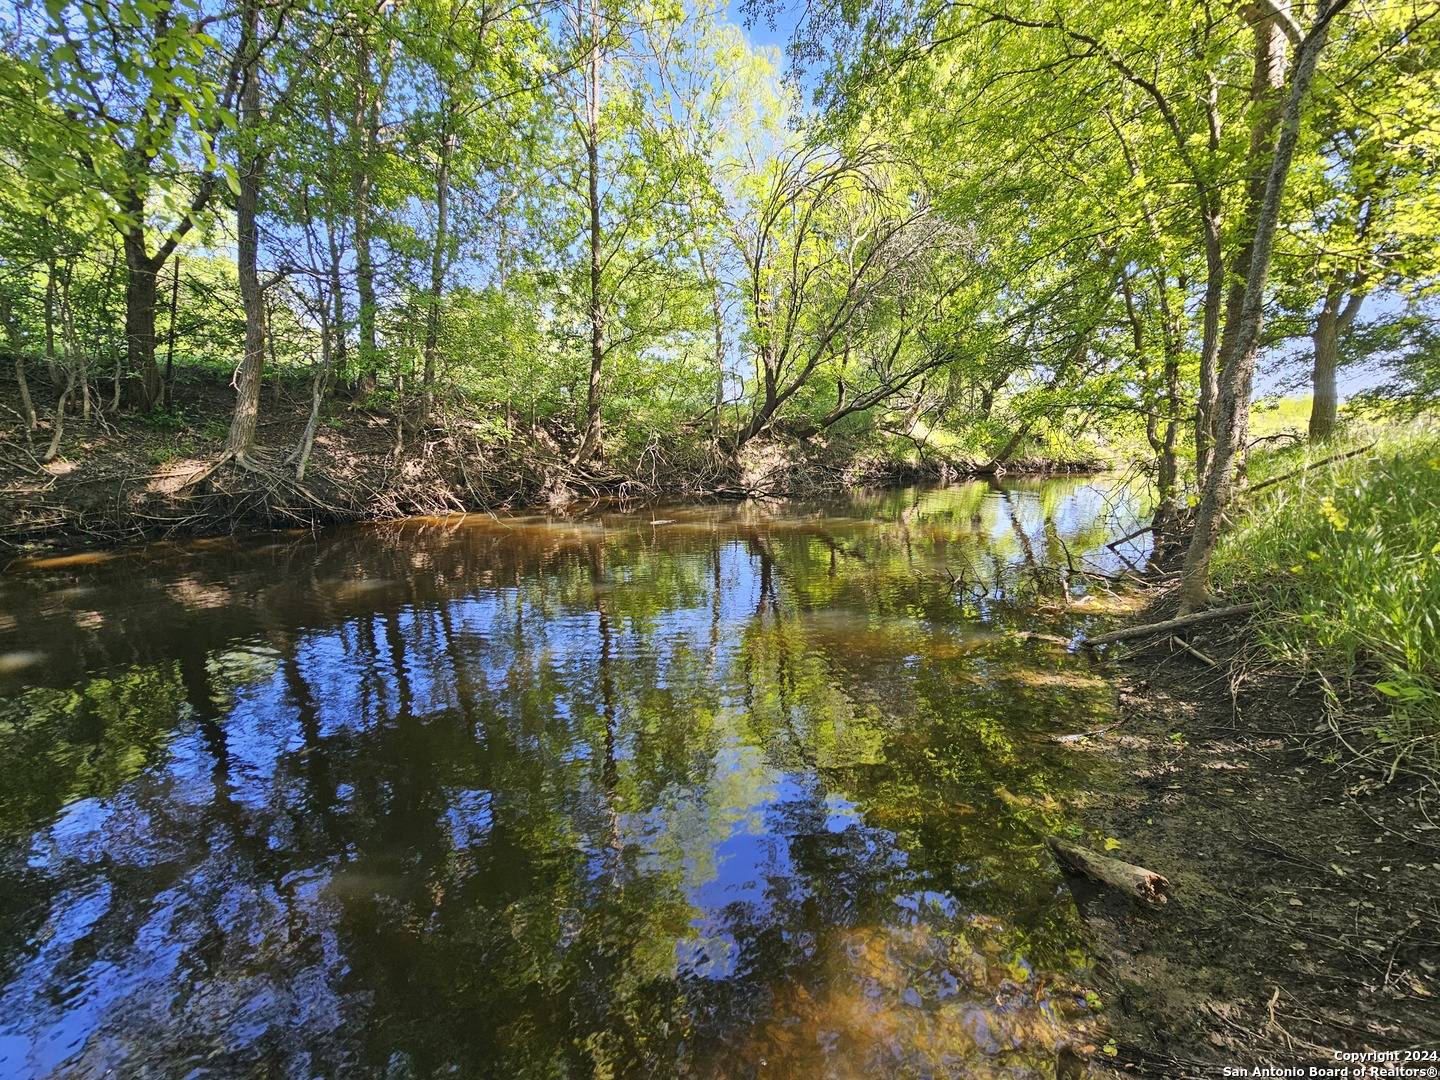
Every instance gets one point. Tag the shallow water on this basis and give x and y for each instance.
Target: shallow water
(715, 791)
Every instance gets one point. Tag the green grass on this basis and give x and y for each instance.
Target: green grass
(1347, 557)
(1279, 416)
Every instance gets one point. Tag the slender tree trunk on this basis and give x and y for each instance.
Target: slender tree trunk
(56, 378)
(22, 381)
(1238, 367)
(717, 310)
(770, 405)
(591, 440)
(27, 404)
(169, 391)
(249, 376)
(58, 432)
(1209, 345)
(332, 349)
(1167, 470)
(437, 275)
(1267, 80)
(332, 247)
(337, 297)
(300, 458)
(366, 123)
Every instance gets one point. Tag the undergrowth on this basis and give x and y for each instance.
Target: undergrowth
(1347, 558)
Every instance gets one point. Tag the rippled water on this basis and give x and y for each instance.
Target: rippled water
(719, 791)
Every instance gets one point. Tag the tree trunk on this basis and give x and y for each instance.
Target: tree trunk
(762, 416)
(366, 125)
(56, 377)
(22, 381)
(140, 288)
(437, 276)
(1167, 471)
(1326, 340)
(717, 311)
(332, 247)
(168, 397)
(27, 404)
(300, 458)
(591, 440)
(1238, 368)
(1333, 320)
(249, 375)
(1209, 345)
(1267, 81)
(53, 450)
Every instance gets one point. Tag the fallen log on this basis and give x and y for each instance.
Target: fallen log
(1143, 884)
(1313, 465)
(1192, 619)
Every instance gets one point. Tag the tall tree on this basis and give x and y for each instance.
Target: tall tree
(1243, 337)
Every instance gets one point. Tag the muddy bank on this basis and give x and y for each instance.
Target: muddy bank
(1304, 920)
(128, 477)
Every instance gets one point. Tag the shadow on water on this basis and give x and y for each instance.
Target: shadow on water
(753, 789)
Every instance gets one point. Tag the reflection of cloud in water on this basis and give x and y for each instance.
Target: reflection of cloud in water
(19, 659)
(536, 796)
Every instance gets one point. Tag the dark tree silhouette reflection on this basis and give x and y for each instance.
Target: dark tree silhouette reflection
(526, 797)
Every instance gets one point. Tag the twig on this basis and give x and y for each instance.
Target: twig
(1193, 651)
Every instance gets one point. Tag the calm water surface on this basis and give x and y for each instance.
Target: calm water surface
(718, 792)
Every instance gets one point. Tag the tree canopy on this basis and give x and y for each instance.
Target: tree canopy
(965, 232)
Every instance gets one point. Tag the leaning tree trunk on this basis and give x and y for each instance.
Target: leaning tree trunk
(1267, 81)
(300, 457)
(1238, 370)
(58, 431)
(27, 404)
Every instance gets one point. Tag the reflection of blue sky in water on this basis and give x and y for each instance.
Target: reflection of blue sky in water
(518, 796)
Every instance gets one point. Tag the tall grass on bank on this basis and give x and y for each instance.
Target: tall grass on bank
(1347, 558)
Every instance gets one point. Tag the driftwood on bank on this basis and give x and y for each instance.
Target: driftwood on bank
(1138, 882)
(1177, 623)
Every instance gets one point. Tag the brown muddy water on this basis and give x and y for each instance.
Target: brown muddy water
(703, 791)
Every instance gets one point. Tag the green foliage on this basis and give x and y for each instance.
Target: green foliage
(1348, 558)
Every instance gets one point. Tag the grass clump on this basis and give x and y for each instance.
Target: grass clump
(1347, 557)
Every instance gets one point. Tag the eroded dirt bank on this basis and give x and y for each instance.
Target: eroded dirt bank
(127, 477)
(1304, 920)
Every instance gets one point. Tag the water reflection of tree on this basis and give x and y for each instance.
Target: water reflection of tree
(489, 838)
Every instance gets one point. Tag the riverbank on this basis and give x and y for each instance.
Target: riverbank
(1303, 921)
(128, 477)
